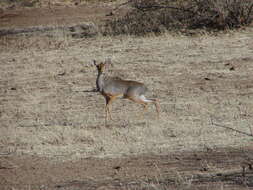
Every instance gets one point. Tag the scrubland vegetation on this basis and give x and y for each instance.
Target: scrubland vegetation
(184, 16)
(195, 56)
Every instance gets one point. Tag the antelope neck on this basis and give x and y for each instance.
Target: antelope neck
(100, 81)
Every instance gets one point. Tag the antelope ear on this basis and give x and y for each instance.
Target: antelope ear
(94, 62)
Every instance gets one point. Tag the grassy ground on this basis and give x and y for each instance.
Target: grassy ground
(202, 83)
(203, 139)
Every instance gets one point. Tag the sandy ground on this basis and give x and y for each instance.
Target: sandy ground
(52, 130)
(220, 169)
(58, 16)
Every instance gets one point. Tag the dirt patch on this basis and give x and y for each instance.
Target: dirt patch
(70, 19)
(215, 169)
(55, 16)
(92, 12)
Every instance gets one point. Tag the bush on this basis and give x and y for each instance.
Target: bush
(222, 14)
(159, 15)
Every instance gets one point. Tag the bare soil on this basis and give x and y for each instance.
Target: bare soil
(54, 16)
(52, 125)
(219, 169)
(61, 15)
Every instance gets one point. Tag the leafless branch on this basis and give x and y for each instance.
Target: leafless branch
(238, 131)
(122, 4)
(249, 13)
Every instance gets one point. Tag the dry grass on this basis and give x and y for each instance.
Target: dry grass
(44, 110)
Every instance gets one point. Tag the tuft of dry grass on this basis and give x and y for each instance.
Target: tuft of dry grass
(46, 108)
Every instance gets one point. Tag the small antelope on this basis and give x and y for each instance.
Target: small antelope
(113, 87)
